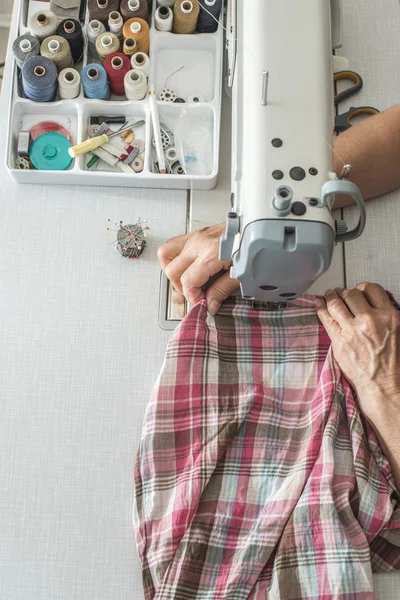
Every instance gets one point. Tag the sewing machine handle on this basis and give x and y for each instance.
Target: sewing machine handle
(346, 188)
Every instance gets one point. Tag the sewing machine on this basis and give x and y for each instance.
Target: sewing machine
(281, 233)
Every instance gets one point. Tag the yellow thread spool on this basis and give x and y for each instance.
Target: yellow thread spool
(186, 14)
(107, 43)
(138, 29)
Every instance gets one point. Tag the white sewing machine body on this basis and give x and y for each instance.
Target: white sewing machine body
(281, 233)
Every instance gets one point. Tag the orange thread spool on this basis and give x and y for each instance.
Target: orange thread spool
(138, 29)
(186, 15)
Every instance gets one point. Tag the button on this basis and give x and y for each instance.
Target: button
(277, 143)
(313, 202)
(297, 173)
(298, 209)
(277, 174)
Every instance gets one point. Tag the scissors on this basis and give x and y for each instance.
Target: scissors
(343, 121)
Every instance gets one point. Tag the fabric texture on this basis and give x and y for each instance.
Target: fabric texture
(257, 476)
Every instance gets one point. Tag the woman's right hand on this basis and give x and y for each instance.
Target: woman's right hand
(189, 261)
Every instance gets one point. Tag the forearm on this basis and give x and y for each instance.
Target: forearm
(372, 147)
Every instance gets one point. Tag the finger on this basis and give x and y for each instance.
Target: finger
(175, 269)
(355, 301)
(171, 249)
(375, 294)
(331, 326)
(179, 301)
(337, 308)
(199, 272)
(219, 291)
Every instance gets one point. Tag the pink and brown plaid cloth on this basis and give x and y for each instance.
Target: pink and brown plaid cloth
(257, 476)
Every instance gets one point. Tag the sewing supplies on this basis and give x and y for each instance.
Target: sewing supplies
(24, 47)
(94, 81)
(49, 152)
(186, 14)
(131, 239)
(71, 30)
(117, 66)
(92, 143)
(69, 84)
(107, 43)
(129, 46)
(141, 62)
(135, 84)
(24, 141)
(57, 49)
(138, 164)
(156, 129)
(135, 9)
(208, 20)
(65, 9)
(179, 101)
(94, 29)
(164, 18)
(173, 164)
(115, 23)
(39, 79)
(107, 119)
(43, 24)
(128, 136)
(169, 3)
(167, 95)
(195, 98)
(49, 127)
(139, 30)
(139, 144)
(22, 163)
(100, 9)
(118, 148)
(344, 121)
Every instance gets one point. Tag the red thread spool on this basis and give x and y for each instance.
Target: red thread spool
(116, 66)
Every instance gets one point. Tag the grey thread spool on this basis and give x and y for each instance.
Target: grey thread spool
(164, 18)
(43, 24)
(94, 29)
(115, 23)
(24, 47)
(57, 49)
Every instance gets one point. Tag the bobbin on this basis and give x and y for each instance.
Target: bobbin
(167, 95)
(22, 163)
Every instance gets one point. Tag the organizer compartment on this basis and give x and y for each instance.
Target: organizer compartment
(200, 55)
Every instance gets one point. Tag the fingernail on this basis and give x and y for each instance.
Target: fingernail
(328, 292)
(214, 307)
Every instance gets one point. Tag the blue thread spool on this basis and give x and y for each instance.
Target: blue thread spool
(95, 83)
(39, 79)
(49, 152)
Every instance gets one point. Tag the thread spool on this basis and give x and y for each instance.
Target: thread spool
(100, 9)
(141, 62)
(210, 11)
(39, 79)
(186, 14)
(42, 24)
(164, 18)
(138, 29)
(129, 47)
(135, 84)
(135, 9)
(71, 30)
(95, 82)
(169, 3)
(24, 47)
(115, 23)
(57, 49)
(94, 29)
(117, 66)
(107, 43)
(69, 84)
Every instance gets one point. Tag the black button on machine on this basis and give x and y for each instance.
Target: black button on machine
(298, 209)
(277, 174)
(313, 202)
(277, 143)
(297, 173)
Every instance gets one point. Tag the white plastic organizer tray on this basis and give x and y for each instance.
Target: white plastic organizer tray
(196, 126)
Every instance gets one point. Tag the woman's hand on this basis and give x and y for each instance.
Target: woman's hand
(364, 328)
(190, 260)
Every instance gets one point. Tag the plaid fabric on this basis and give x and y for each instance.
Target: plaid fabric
(257, 476)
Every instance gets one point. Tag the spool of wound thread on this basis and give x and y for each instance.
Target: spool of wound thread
(186, 14)
(69, 84)
(117, 66)
(24, 47)
(43, 24)
(115, 23)
(135, 9)
(169, 3)
(141, 62)
(210, 11)
(95, 82)
(107, 43)
(129, 47)
(135, 84)
(138, 29)
(164, 18)
(71, 30)
(57, 49)
(39, 79)
(100, 9)
(94, 29)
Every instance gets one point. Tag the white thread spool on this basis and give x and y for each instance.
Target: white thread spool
(169, 3)
(135, 84)
(164, 18)
(94, 29)
(133, 5)
(141, 62)
(115, 23)
(69, 82)
(43, 24)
